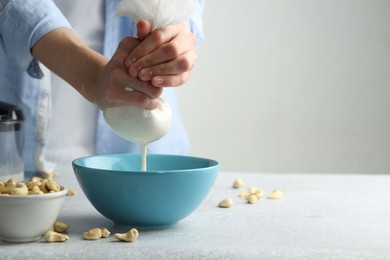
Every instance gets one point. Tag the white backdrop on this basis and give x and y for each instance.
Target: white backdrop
(292, 86)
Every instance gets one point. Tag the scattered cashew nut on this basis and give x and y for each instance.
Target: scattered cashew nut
(226, 203)
(52, 236)
(256, 191)
(71, 192)
(238, 183)
(105, 232)
(276, 194)
(60, 226)
(252, 199)
(93, 234)
(130, 236)
(96, 233)
(252, 191)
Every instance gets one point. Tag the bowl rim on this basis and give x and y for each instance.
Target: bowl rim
(214, 162)
(50, 195)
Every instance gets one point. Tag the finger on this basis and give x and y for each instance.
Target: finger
(127, 45)
(136, 98)
(121, 96)
(150, 43)
(126, 82)
(119, 78)
(167, 52)
(177, 66)
(171, 80)
(144, 28)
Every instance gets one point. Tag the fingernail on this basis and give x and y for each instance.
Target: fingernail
(157, 81)
(146, 74)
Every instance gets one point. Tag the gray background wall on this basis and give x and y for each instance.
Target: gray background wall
(292, 86)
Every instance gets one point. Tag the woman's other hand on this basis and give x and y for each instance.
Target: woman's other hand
(165, 56)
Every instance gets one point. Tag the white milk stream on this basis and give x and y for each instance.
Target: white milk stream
(140, 125)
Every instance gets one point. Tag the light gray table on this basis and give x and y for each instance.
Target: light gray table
(323, 216)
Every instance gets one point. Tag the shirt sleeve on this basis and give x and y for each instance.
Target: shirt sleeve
(196, 22)
(22, 24)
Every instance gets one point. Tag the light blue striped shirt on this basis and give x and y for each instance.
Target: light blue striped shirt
(22, 24)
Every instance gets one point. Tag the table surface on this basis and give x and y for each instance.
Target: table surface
(322, 216)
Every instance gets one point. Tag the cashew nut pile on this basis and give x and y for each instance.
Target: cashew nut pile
(35, 186)
(252, 194)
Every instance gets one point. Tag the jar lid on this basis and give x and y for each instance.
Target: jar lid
(10, 113)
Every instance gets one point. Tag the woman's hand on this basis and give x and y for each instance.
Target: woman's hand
(103, 82)
(165, 56)
(115, 87)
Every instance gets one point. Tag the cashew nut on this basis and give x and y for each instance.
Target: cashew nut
(9, 186)
(130, 236)
(255, 191)
(10, 183)
(52, 236)
(49, 175)
(96, 233)
(93, 234)
(32, 184)
(252, 199)
(71, 192)
(226, 203)
(243, 194)
(238, 183)
(43, 186)
(52, 185)
(105, 232)
(35, 191)
(276, 194)
(252, 191)
(19, 189)
(35, 179)
(6, 190)
(60, 226)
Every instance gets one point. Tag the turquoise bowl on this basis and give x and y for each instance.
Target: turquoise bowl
(171, 189)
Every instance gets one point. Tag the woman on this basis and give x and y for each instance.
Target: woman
(39, 32)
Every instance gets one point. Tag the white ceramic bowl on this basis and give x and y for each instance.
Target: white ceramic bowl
(25, 218)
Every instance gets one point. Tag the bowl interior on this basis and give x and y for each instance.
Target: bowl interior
(155, 162)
